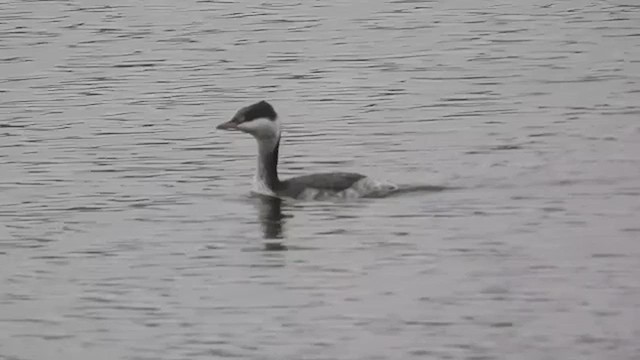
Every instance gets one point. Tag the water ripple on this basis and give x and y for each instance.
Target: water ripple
(126, 229)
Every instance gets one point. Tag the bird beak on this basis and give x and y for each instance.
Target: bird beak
(229, 125)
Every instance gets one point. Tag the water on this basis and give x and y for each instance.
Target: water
(127, 232)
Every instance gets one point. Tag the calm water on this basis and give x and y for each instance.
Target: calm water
(127, 232)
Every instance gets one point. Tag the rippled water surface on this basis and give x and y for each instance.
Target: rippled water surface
(127, 232)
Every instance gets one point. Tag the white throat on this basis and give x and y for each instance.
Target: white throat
(267, 135)
(266, 155)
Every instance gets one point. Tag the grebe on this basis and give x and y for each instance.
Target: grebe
(261, 121)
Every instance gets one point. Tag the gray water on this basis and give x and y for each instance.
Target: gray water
(127, 230)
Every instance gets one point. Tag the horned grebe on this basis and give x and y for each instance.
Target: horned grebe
(261, 121)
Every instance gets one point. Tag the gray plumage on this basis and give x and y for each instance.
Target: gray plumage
(261, 121)
(334, 182)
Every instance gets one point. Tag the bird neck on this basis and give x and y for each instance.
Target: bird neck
(267, 171)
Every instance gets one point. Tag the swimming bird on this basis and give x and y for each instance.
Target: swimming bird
(261, 121)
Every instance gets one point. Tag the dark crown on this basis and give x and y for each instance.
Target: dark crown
(258, 110)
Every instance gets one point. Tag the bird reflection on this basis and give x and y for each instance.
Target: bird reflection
(271, 221)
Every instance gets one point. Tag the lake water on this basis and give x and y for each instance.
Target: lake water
(127, 230)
